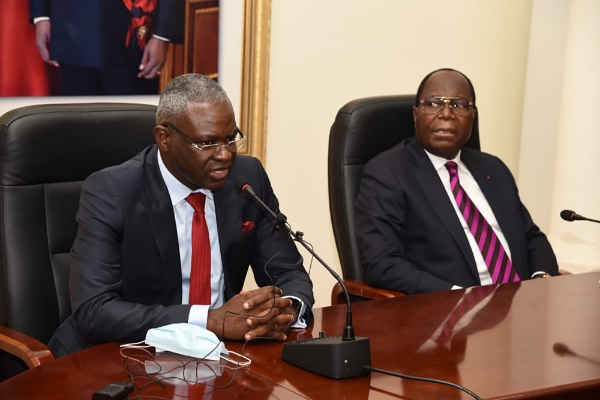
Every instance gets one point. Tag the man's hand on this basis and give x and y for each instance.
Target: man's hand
(42, 40)
(255, 314)
(153, 59)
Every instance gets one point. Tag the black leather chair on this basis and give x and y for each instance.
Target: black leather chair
(362, 129)
(46, 152)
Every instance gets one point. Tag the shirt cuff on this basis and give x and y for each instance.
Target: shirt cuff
(198, 315)
(301, 321)
(454, 287)
(38, 19)
(159, 37)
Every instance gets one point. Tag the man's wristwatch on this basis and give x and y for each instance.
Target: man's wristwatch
(544, 275)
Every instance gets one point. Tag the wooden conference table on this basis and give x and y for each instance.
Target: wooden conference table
(535, 339)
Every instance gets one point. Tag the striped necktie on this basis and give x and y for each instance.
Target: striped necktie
(470, 299)
(499, 265)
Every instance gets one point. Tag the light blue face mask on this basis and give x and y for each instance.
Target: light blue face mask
(190, 340)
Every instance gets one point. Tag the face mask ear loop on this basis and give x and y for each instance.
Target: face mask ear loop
(136, 346)
(238, 363)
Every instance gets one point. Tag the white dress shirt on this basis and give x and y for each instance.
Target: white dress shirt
(472, 189)
(184, 214)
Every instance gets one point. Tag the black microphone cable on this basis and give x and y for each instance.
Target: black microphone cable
(279, 220)
(418, 378)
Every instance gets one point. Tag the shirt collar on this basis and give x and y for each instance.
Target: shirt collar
(440, 162)
(177, 190)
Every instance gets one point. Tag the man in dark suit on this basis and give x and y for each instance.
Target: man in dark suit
(88, 40)
(415, 227)
(132, 260)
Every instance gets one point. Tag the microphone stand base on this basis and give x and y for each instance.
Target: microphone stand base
(331, 357)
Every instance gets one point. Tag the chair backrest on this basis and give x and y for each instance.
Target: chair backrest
(362, 129)
(46, 151)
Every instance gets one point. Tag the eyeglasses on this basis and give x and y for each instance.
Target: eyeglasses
(433, 105)
(235, 141)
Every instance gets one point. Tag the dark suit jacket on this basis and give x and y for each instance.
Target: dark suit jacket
(409, 235)
(92, 33)
(125, 264)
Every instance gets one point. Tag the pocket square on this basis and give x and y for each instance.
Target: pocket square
(247, 226)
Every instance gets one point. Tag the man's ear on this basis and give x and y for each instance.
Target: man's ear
(415, 109)
(161, 136)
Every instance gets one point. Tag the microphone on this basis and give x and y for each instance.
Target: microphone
(563, 350)
(570, 216)
(333, 357)
(241, 182)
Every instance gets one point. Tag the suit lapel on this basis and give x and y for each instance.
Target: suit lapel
(229, 224)
(429, 181)
(157, 203)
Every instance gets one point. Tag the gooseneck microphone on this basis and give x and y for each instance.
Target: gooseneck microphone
(571, 216)
(244, 185)
(333, 357)
(563, 350)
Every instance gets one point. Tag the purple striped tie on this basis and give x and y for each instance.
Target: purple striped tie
(496, 259)
(466, 304)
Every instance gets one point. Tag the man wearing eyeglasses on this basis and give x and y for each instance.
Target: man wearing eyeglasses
(433, 215)
(166, 237)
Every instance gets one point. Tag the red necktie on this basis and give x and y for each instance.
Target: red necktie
(494, 255)
(200, 274)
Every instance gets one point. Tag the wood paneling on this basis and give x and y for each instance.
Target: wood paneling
(199, 52)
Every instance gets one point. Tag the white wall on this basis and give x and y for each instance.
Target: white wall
(326, 53)
(542, 106)
(231, 25)
(559, 168)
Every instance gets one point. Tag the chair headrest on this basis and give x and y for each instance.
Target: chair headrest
(373, 124)
(42, 143)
